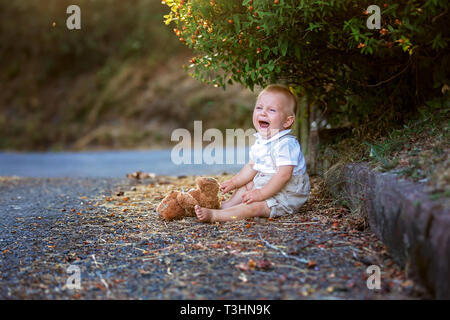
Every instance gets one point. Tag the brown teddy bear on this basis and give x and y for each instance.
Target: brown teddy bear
(177, 205)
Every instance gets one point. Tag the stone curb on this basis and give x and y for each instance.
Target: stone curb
(415, 230)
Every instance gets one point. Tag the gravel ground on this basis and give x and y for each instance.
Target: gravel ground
(108, 230)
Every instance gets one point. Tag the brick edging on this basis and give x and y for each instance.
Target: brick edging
(415, 230)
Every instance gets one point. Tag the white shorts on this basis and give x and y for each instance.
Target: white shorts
(289, 199)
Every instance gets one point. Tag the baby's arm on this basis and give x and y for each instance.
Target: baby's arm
(242, 178)
(275, 184)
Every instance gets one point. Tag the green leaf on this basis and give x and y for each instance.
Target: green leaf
(297, 51)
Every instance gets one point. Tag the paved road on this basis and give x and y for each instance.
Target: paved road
(49, 224)
(29, 210)
(111, 164)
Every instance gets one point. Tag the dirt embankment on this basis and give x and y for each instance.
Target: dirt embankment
(138, 106)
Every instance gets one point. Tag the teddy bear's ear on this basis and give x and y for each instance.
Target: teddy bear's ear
(173, 195)
(208, 185)
(206, 180)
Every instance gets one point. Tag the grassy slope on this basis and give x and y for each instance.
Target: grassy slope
(417, 150)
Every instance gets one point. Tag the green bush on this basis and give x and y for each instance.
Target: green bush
(323, 49)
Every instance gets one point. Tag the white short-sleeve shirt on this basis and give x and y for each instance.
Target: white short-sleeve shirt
(280, 150)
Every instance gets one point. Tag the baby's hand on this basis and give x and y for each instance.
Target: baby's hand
(227, 186)
(252, 196)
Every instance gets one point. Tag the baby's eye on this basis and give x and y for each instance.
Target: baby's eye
(273, 110)
(258, 108)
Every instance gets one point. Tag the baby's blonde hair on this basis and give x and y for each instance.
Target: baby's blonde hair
(285, 91)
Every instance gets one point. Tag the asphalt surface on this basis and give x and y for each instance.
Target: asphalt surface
(47, 225)
(29, 210)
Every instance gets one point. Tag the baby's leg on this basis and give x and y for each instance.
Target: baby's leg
(238, 212)
(236, 198)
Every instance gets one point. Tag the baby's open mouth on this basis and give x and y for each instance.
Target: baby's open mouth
(263, 124)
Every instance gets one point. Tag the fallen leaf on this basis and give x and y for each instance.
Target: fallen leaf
(251, 264)
(101, 287)
(198, 246)
(116, 281)
(263, 264)
(407, 283)
(242, 266)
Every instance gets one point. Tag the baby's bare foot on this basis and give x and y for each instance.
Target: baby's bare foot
(204, 214)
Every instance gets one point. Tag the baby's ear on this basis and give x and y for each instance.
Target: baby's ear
(289, 121)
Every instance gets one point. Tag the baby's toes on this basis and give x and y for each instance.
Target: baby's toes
(198, 211)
